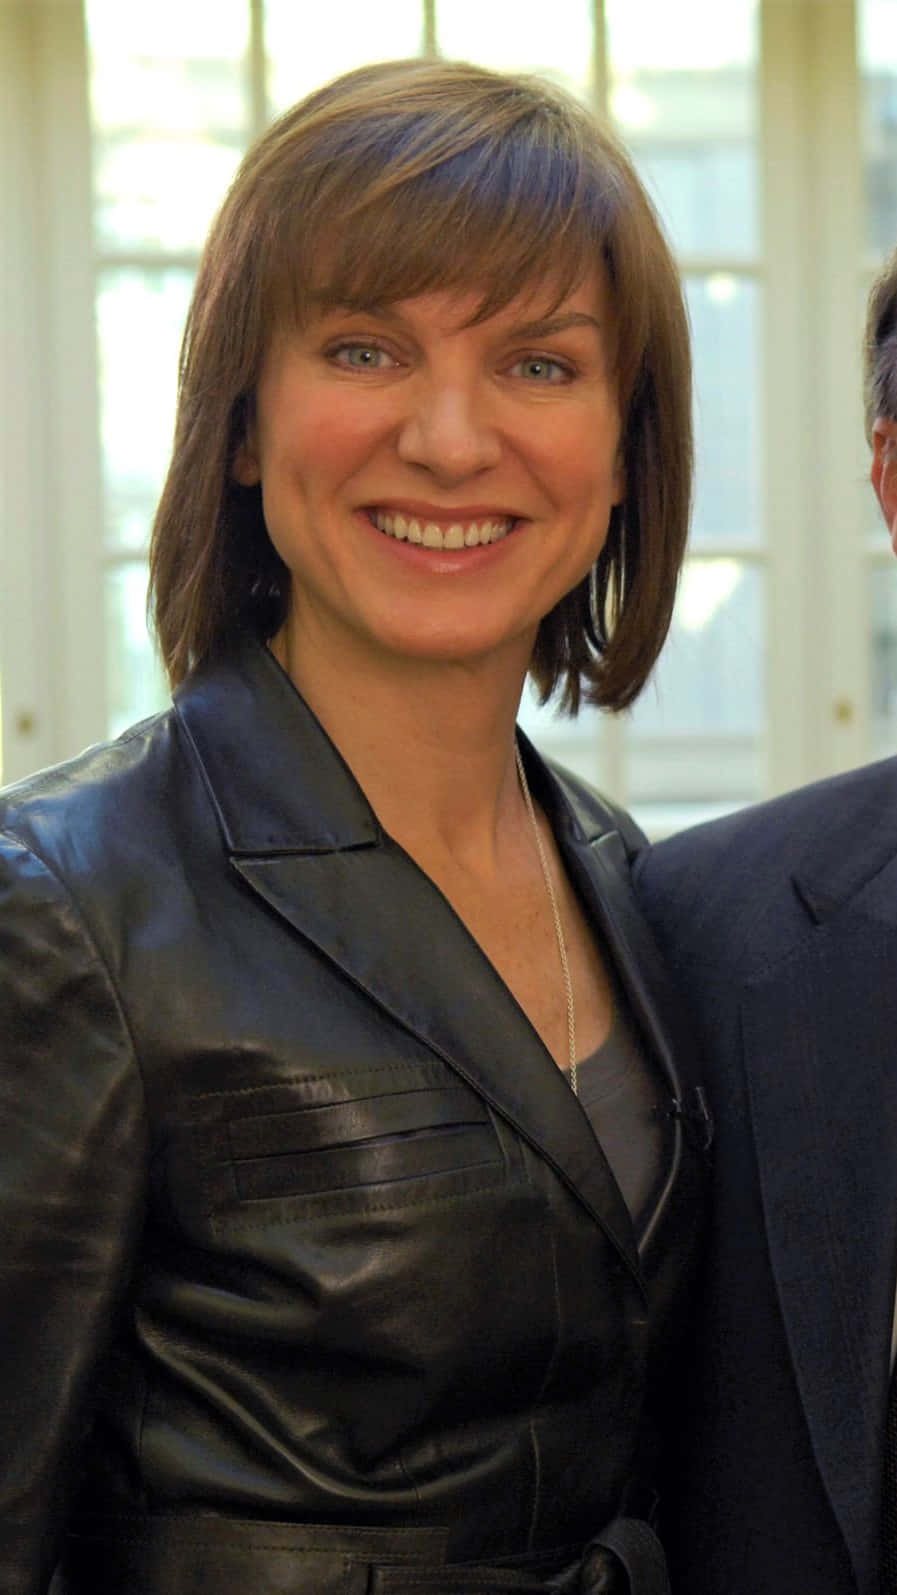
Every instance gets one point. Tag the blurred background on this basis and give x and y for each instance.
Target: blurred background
(766, 131)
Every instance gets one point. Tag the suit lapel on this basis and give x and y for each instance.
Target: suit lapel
(302, 835)
(819, 1029)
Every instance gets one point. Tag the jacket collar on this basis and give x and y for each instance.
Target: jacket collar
(278, 783)
(301, 833)
(853, 838)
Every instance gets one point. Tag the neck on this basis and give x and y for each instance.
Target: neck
(430, 743)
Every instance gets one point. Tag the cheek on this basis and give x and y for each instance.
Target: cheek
(340, 432)
(583, 457)
(592, 482)
(300, 464)
(309, 458)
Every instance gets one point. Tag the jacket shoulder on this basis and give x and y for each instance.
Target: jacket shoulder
(77, 816)
(594, 813)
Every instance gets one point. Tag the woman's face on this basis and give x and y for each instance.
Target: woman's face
(434, 487)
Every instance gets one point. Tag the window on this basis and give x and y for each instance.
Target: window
(768, 137)
(878, 101)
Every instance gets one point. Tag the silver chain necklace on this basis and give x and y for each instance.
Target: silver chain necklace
(555, 914)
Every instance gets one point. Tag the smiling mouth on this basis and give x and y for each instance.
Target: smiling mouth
(459, 534)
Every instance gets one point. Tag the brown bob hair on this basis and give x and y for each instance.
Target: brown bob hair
(396, 180)
(880, 348)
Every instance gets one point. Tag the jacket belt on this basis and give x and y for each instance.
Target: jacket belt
(192, 1554)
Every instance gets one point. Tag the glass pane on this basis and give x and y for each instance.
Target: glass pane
(710, 680)
(304, 51)
(555, 40)
(140, 317)
(169, 103)
(134, 679)
(683, 92)
(725, 318)
(877, 21)
(695, 739)
(577, 744)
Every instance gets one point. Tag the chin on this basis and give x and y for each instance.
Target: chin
(459, 647)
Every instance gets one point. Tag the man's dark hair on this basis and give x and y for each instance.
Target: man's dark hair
(880, 348)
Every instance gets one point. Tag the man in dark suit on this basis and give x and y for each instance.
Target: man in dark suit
(780, 924)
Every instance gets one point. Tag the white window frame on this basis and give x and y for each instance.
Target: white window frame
(51, 598)
(51, 546)
(818, 660)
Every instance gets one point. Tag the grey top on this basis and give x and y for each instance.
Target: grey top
(624, 1098)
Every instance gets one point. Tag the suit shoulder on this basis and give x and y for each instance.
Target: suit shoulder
(831, 813)
(731, 882)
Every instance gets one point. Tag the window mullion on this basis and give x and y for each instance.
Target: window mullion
(257, 69)
(26, 664)
(838, 649)
(429, 38)
(788, 352)
(73, 407)
(600, 79)
(52, 615)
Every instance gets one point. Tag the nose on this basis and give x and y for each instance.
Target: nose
(449, 431)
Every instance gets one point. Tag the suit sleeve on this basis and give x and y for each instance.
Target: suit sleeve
(73, 1158)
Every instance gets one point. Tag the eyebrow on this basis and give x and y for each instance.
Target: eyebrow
(544, 327)
(551, 324)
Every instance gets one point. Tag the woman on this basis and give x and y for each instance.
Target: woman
(317, 1276)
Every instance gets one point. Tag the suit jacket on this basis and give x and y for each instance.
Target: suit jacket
(311, 1263)
(781, 925)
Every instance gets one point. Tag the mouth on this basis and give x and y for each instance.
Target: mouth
(452, 534)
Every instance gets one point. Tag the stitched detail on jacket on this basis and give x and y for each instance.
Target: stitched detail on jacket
(224, 1221)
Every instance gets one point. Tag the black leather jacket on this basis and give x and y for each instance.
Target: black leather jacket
(299, 1227)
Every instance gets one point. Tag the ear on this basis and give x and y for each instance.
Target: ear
(883, 472)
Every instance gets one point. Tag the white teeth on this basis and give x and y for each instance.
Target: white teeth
(475, 534)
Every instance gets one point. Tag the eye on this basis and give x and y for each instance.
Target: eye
(361, 356)
(540, 368)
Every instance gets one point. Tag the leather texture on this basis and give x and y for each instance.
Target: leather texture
(300, 1223)
(781, 927)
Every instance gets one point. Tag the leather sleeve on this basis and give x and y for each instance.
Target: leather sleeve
(72, 1180)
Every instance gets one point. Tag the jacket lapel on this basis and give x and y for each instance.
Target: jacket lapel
(598, 863)
(597, 859)
(819, 1027)
(301, 834)
(365, 911)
